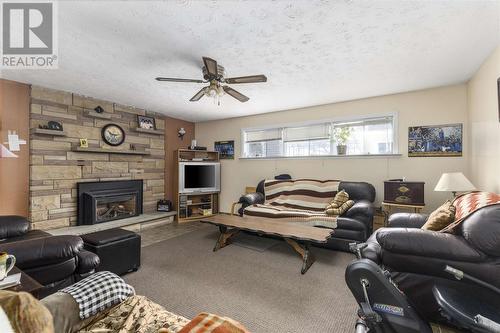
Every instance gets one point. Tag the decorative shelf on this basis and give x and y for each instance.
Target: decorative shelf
(150, 131)
(199, 203)
(109, 151)
(49, 132)
(94, 114)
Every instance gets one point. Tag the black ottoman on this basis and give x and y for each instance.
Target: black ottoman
(118, 249)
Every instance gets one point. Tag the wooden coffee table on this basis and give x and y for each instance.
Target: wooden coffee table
(298, 236)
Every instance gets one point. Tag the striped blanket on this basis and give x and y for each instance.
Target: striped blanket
(302, 200)
(468, 203)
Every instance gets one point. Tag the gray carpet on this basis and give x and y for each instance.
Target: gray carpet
(263, 290)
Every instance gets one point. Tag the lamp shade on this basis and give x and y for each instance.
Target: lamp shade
(454, 182)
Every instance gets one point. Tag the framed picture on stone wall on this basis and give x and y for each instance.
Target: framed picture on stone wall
(146, 122)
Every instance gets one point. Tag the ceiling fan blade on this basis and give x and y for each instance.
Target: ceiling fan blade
(239, 96)
(171, 79)
(198, 95)
(211, 66)
(246, 79)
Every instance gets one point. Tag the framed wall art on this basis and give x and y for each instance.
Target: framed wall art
(225, 149)
(436, 140)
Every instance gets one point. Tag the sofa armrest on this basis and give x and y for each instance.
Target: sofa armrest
(87, 261)
(360, 208)
(43, 251)
(425, 243)
(13, 226)
(407, 220)
(252, 199)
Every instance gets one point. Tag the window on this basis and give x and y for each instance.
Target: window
(365, 136)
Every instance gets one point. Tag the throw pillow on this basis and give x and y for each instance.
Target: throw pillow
(339, 199)
(441, 217)
(340, 210)
(99, 292)
(26, 313)
(210, 323)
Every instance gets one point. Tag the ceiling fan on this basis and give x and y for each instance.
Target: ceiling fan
(214, 75)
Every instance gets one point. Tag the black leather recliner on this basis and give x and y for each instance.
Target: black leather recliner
(416, 258)
(54, 261)
(356, 225)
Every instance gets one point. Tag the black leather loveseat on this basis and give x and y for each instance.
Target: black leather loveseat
(356, 225)
(416, 258)
(54, 261)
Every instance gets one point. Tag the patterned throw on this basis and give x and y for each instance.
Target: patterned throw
(307, 194)
(301, 200)
(136, 314)
(468, 203)
(210, 323)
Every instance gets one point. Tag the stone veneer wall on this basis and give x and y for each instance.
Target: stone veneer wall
(55, 169)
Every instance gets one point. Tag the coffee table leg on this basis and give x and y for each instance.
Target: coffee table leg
(224, 237)
(307, 256)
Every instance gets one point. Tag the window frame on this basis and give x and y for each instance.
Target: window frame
(357, 118)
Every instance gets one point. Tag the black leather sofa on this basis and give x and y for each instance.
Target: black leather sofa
(416, 258)
(54, 261)
(356, 225)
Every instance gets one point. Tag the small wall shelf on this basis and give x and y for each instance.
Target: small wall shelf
(150, 131)
(49, 132)
(94, 114)
(110, 151)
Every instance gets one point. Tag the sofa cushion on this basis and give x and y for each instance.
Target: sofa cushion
(441, 217)
(13, 226)
(65, 312)
(26, 313)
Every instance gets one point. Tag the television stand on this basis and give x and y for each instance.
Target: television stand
(194, 206)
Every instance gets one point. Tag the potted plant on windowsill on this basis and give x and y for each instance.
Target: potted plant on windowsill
(341, 135)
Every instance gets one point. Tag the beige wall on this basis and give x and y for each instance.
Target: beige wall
(14, 172)
(484, 125)
(427, 107)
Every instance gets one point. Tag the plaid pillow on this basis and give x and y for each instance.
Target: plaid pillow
(340, 210)
(98, 292)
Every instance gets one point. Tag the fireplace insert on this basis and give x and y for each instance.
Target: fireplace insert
(100, 202)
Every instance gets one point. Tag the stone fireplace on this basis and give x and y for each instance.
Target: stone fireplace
(56, 167)
(100, 202)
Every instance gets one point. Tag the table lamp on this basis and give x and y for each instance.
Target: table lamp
(454, 182)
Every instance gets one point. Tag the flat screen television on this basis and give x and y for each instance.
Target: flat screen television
(199, 177)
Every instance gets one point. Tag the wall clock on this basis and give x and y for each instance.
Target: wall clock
(113, 134)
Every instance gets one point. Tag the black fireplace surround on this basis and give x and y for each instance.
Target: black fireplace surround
(100, 202)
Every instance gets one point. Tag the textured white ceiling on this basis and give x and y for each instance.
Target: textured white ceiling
(313, 52)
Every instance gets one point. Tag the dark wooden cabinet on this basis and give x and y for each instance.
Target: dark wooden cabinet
(403, 192)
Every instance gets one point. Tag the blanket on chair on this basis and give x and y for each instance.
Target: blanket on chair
(306, 194)
(468, 203)
(210, 323)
